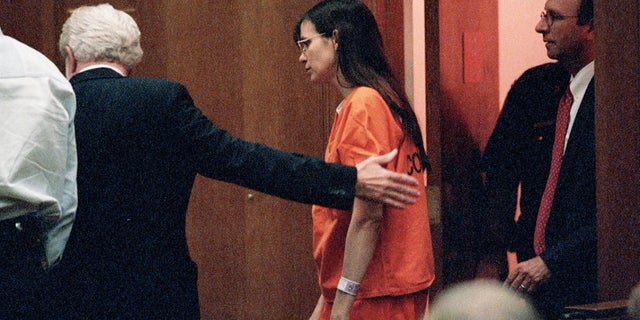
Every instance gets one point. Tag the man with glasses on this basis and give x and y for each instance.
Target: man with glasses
(541, 159)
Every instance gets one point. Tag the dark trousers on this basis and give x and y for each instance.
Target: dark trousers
(24, 283)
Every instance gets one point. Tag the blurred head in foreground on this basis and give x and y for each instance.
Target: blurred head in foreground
(481, 300)
(634, 303)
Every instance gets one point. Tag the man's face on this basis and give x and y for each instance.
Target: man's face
(564, 39)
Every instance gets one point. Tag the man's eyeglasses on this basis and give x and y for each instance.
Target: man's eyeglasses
(551, 17)
(303, 44)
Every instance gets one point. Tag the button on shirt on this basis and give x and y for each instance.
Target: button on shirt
(37, 143)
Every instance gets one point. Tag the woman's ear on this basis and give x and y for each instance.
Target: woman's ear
(334, 38)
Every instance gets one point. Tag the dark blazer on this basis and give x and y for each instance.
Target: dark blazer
(141, 143)
(519, 152)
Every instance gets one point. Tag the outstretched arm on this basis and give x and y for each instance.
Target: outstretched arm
(218, 155)
(378, 184)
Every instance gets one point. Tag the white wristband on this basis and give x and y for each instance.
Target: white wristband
(347, 286)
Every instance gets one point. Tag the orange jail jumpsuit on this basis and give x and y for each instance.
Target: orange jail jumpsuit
(402, 264)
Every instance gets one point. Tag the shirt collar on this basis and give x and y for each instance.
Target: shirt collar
(580, 81)
(97, 66)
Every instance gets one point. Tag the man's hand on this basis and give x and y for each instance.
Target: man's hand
(527, 275)
(376, 183)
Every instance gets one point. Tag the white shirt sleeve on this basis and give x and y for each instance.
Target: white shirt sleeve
(37, 143)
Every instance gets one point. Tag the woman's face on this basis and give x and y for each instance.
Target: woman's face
(318, 54)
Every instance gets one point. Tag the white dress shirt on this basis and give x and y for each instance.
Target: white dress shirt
(578, 84)
(37, 143)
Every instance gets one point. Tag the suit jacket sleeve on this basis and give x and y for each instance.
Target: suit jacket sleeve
(516, 154)
(501, 179)
(218, 155)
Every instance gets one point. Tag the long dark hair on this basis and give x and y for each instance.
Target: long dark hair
(361, 58)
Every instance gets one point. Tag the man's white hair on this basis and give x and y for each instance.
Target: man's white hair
(481, 300)
(101, 33)
(634, 303)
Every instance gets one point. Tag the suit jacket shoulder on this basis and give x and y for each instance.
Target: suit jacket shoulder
(155, 123)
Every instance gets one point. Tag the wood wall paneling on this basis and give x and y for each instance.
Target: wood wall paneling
(617, 27)
(31, 21)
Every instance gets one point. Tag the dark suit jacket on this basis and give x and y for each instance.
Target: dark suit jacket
(141, 143)
(519, 152)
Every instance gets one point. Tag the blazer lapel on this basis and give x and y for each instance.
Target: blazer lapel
(581, 139)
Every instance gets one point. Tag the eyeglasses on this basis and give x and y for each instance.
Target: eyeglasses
(551, 17)
(303, 44)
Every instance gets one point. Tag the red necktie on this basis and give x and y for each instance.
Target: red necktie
(562, 123)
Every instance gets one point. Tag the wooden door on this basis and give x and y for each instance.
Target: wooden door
(267, 271)
(253, 250)
(240, 63)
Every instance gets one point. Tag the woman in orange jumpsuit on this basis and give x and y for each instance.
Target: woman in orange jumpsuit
(374, 262)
